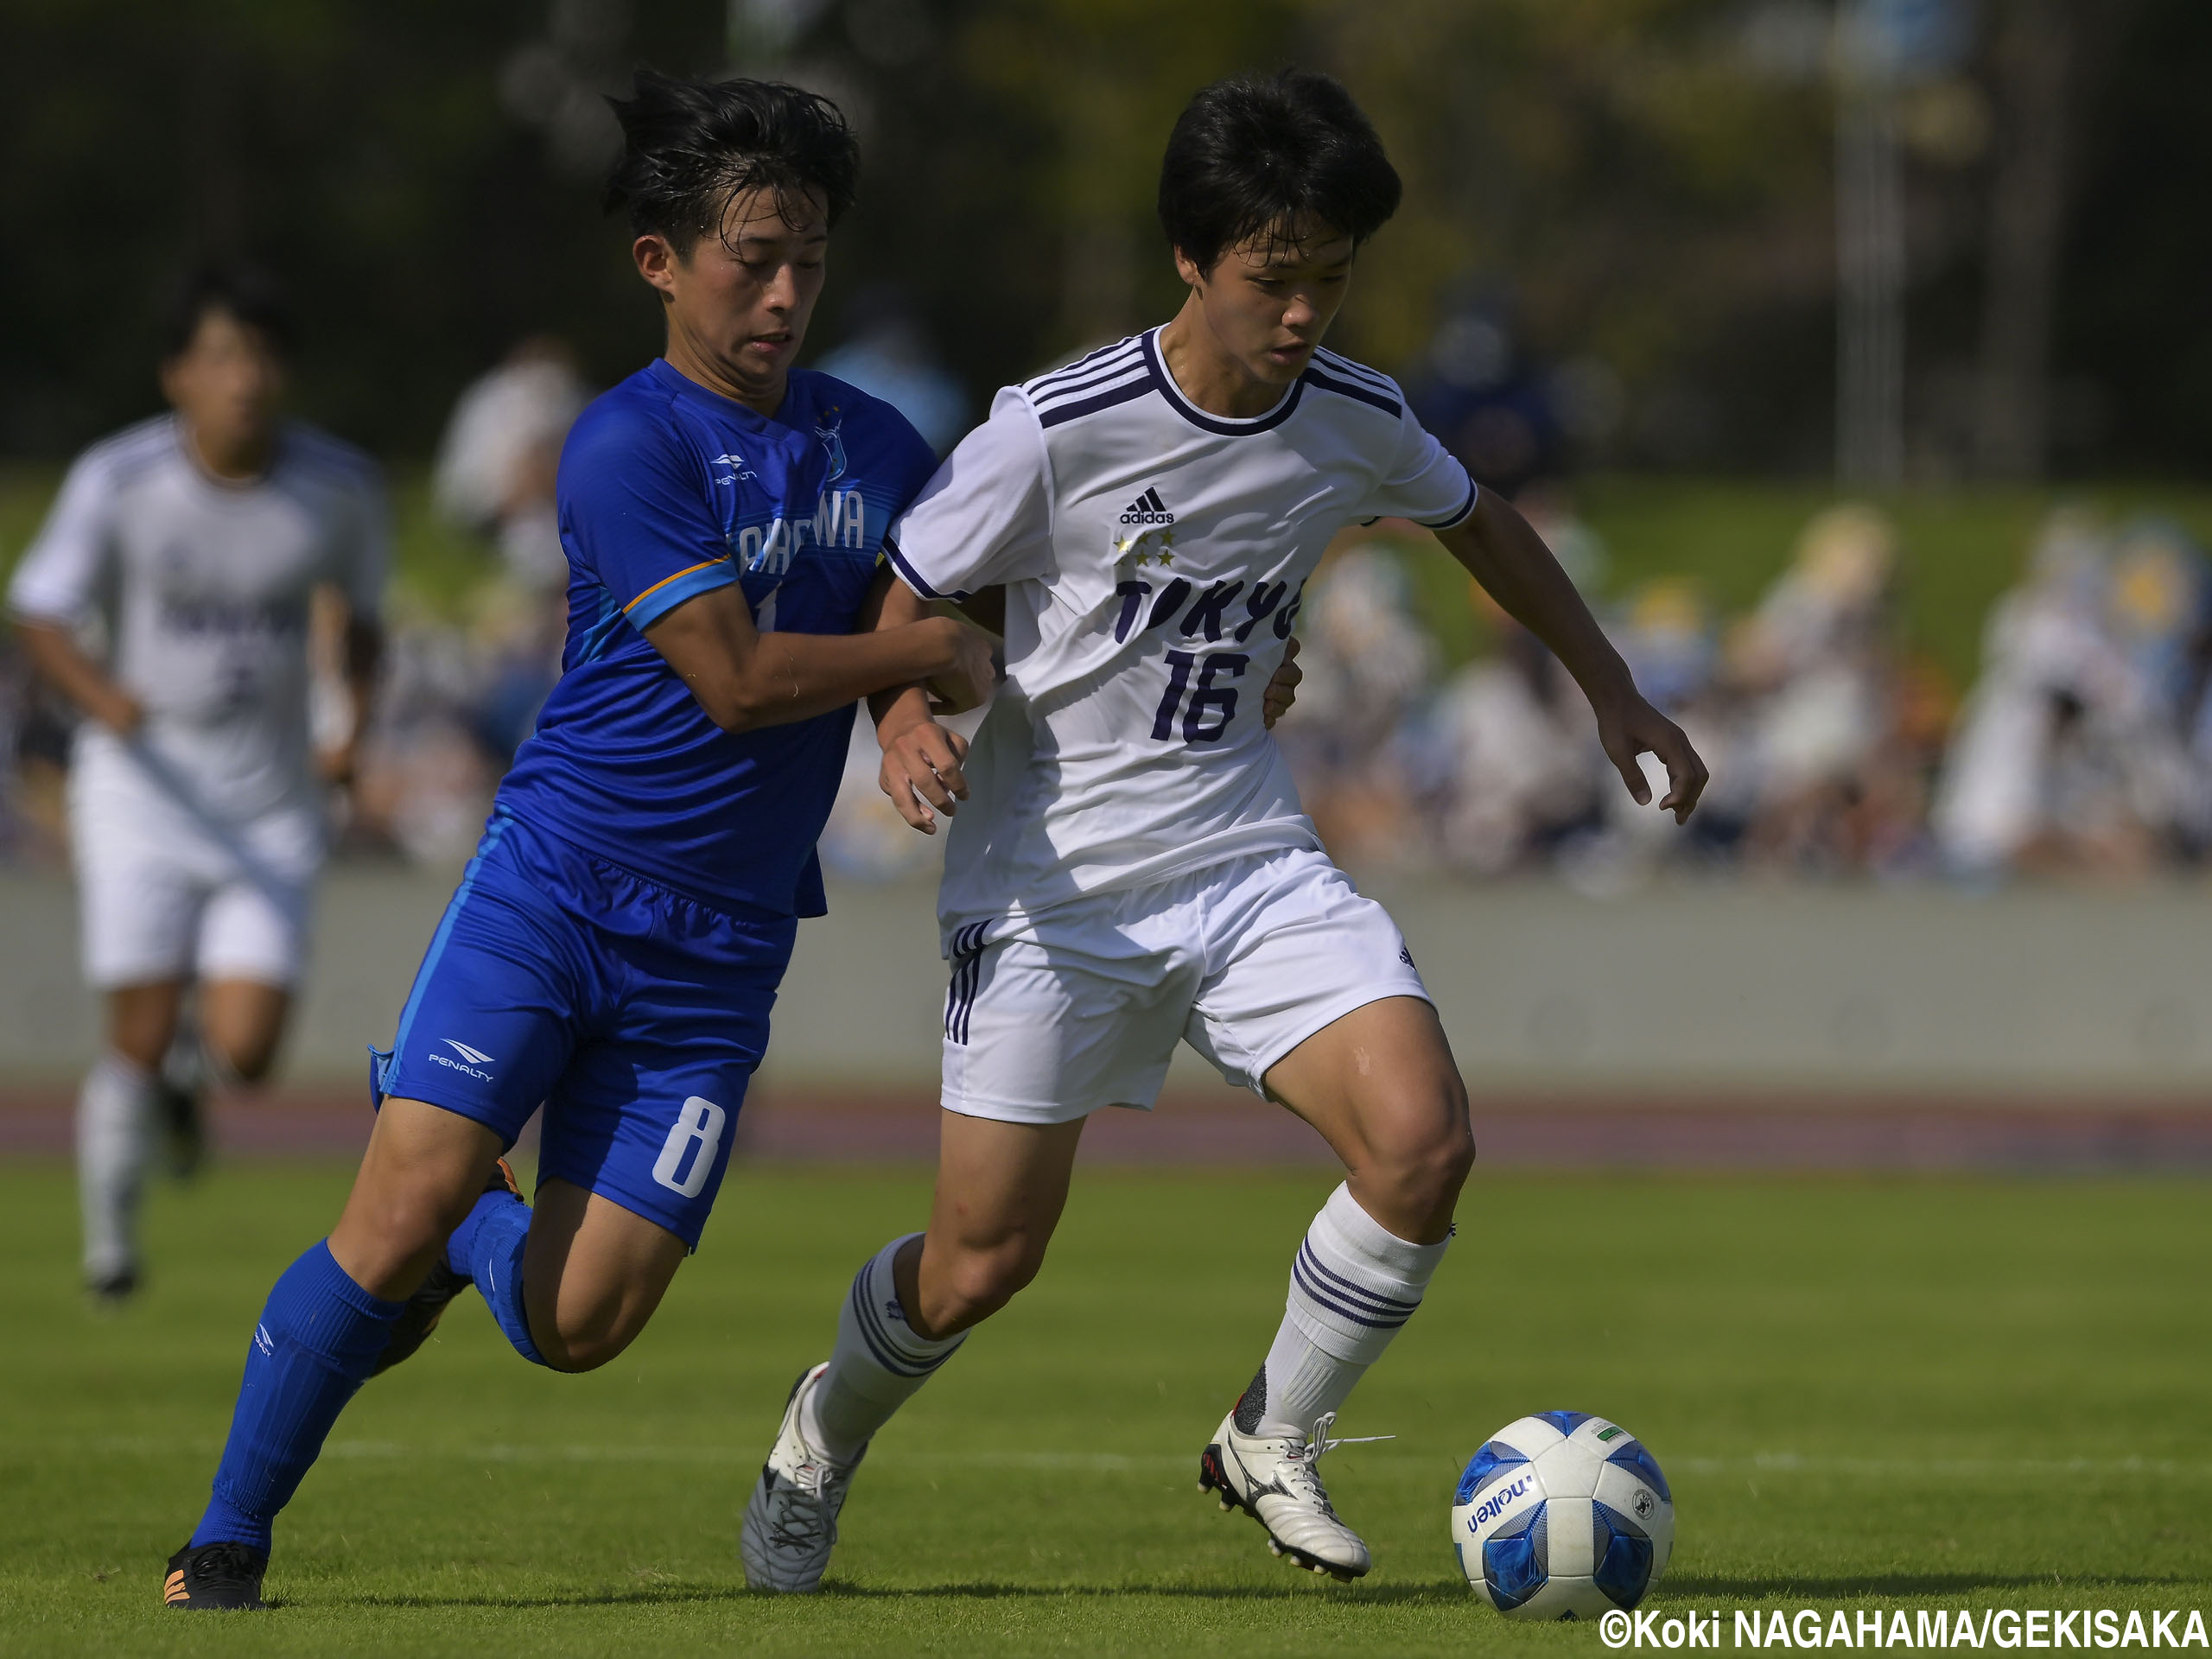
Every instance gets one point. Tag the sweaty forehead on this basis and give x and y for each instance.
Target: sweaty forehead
(768, 214)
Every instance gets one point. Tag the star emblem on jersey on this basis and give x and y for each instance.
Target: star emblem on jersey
(1147, 530)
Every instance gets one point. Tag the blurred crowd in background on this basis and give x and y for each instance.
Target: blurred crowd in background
(1837, 749)
(1631, 245)
(2085, 746)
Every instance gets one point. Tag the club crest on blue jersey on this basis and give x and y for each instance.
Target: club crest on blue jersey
(830, 431)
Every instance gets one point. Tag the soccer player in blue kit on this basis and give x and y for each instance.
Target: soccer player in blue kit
(614, 947)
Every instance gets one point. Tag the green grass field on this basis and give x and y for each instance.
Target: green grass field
(1867, 1393)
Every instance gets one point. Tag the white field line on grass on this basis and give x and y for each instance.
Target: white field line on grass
(1763, 1462)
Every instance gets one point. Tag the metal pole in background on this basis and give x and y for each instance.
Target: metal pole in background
(1869, 254)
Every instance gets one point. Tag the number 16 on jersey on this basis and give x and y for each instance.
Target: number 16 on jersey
(1207, 701)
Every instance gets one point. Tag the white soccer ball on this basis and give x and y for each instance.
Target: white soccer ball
(1562, 1516)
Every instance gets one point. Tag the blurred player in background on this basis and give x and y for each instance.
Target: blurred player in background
(1134, 868)
(169, 597)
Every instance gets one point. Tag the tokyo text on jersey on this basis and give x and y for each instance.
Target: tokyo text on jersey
(668, 490)
(203, 586)
(1154, 557)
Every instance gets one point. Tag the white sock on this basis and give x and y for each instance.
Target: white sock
(1353, 1285)
(880, 1363)
(114, 1109)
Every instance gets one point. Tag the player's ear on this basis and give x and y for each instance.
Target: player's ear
(656, 259)
(1187, 268)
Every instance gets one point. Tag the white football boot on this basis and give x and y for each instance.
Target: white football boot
(791, 1523)
(1272, 1478)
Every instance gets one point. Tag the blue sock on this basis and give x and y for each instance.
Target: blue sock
(487, 1246)
(461, 1247)
(318, 1338)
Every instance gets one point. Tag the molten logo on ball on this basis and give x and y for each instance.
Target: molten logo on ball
(1562, 1516)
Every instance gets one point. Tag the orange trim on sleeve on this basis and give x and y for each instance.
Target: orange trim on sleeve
(664, 581)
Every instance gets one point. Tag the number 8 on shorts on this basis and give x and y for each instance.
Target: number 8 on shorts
(695, 1136)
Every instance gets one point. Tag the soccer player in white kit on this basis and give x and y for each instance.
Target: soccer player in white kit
(195, 542)
(1132, 867)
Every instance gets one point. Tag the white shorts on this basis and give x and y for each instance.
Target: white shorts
(171, 892)
(1081, 1005)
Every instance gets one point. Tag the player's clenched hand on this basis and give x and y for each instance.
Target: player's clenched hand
(1629, 727)
(1282, 688)
(971, 666)
(921, 771)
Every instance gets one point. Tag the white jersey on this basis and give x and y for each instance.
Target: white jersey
(1153, 557)
(203, 586)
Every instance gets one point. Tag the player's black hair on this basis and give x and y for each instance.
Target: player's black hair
(690, 146)
(1267, 160)
(244, 291)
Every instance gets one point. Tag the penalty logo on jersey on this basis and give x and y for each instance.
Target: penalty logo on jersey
(472, 1061)
(1146, 523)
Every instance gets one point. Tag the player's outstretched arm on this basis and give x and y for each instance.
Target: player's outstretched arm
(1500, 550)
(746, 679)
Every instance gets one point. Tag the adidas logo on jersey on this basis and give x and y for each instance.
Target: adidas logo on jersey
(1147, 509)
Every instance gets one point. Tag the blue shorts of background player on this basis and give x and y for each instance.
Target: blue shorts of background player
(635, 1013)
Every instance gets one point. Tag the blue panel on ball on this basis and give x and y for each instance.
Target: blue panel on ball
(1622, 1554)
(1517, 1564)
(1565, 1421)
(1485, 1468)
(1633, 1456)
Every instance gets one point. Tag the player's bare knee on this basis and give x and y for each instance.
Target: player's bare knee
(1421, 1169)
(409, 1219)
(250, 1065)
(981, 1282)
(576, 1355)
(411, 1208)
(1444, 1153)
(1453, 1163)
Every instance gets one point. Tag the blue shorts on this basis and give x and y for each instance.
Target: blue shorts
(635, 1014)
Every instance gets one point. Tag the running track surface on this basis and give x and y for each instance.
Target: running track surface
(1732, 1131)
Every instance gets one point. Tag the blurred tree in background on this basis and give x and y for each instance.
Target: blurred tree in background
(1636, 192)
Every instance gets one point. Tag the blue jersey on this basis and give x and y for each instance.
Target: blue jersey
(668, 490)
